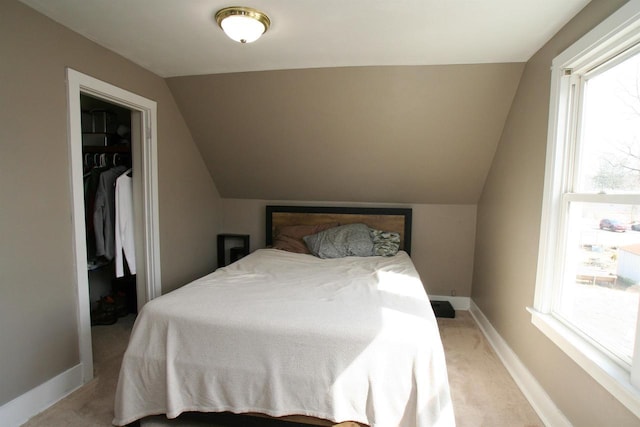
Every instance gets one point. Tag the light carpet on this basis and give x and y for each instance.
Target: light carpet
(483, 392)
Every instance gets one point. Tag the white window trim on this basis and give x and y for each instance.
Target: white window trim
(592, 47)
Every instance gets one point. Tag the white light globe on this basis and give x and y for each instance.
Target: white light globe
(242, 29)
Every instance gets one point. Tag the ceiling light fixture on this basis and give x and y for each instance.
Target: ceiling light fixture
(242, 24)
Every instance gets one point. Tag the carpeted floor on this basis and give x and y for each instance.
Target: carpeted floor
(483, 392)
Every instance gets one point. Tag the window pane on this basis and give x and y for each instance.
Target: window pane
(610, 139)
(601, 286)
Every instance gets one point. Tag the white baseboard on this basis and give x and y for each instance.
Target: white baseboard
(19, 410)
(532, 390)
(458, 303)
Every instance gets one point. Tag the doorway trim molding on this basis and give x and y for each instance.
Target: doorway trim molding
(79, 83)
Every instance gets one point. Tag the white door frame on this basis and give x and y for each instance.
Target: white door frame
(149, 270)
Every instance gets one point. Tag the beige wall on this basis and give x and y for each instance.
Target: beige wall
(38, 325)
(508, 234)
(442, 238)
(393, 134)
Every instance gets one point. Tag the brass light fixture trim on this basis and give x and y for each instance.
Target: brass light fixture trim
(242, 11)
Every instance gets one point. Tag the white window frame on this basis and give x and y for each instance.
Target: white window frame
(615, 34)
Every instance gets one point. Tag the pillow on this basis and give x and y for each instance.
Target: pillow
(289, 238)
(342, 241)
(385, 243)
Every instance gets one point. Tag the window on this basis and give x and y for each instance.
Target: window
(588, 283)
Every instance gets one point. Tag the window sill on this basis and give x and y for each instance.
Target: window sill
(610, 375)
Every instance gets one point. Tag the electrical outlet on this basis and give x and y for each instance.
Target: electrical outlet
(453, 292)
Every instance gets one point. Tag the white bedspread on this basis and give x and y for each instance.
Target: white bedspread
(282, 333)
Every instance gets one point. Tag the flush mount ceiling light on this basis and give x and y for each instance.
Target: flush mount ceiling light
(242, 24)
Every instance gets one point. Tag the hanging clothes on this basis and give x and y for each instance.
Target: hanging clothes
(125, 243)
(91, 182)
(104, 212)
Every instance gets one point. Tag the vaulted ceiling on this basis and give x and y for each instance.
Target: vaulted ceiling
(180, 38)
(419, 134)
(365, 101)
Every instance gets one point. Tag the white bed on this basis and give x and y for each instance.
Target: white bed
(280, 333)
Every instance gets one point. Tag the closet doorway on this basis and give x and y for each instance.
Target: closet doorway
(143, 158)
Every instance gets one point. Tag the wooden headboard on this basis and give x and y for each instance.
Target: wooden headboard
(387, 219)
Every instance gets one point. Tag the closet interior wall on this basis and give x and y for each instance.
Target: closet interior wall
(106, 144)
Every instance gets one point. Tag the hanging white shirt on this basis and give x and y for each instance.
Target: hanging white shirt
(125, 244)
